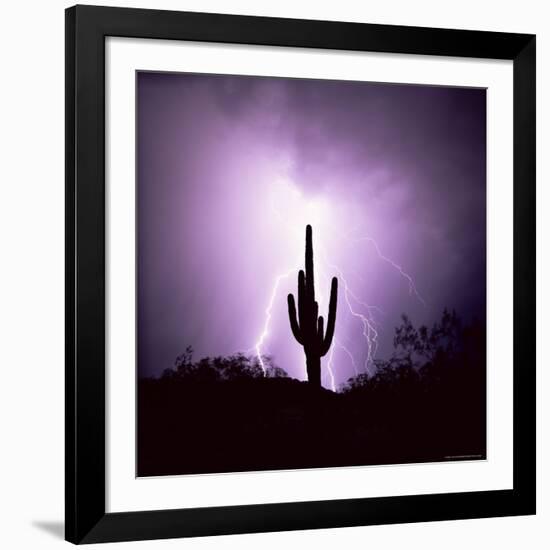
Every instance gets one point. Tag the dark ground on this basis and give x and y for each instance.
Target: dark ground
(427, 403)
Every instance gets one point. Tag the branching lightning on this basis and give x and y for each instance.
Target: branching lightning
(369, 332)
(350, 355)
(412, 286)
(329, 367)
(358, 309)
(268, 314)
(336, 346)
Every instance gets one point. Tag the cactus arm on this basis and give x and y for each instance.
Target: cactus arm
(313, 320)
(331, 321)
(293, 320)
(320, 329)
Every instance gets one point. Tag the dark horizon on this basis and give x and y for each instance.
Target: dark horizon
(226, 415)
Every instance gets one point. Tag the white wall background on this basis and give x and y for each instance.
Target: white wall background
(32, 256)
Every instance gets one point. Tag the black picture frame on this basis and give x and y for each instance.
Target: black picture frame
(86, 520)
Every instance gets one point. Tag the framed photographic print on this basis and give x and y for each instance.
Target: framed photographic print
(300, 274)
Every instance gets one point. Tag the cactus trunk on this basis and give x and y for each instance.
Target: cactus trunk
(313, 367)
(307, 326)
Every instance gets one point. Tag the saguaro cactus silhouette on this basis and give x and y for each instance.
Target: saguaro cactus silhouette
(308, 328)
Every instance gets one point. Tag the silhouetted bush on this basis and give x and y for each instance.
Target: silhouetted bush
(221, 369)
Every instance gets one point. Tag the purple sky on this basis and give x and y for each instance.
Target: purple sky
(232, 168)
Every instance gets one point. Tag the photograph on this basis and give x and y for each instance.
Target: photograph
(274, 275)
(310, 273)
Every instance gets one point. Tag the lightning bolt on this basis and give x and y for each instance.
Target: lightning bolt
(402, 272)
(349, 354)
(338, 345)
(357, 308)
(329, 369)
(268, 314)
(369, 330)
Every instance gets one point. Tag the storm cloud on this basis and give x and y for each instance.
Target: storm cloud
(231, 169)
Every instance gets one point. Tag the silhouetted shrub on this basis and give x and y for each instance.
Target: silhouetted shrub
(221, 369)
